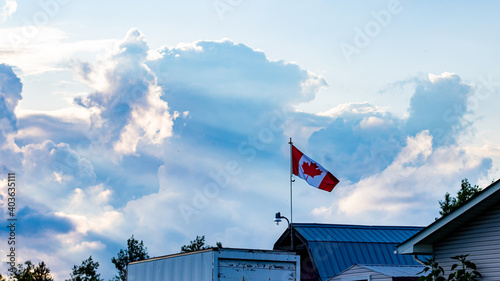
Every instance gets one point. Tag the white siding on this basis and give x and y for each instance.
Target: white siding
(359, 273)
(480, 238)
(222, 264)
(197, 266)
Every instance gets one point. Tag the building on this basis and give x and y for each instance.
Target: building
(328, 249)
(218, 264)
(360, 272)
(472, 229)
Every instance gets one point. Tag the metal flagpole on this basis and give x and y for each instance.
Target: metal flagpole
(291, 202)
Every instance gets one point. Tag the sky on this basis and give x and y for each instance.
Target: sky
(168, 120)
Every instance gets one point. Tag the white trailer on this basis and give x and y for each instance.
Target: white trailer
(224, 264)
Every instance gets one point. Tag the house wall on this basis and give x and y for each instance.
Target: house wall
(195, 266)
(480, 238)
(356, 273)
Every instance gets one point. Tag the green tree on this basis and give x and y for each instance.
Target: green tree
(135, 251)
(465, 271)
(198, 244)
(466, 192)
(32, 273)
(86, 272)
(435, 271)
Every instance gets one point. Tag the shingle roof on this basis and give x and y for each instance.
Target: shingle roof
(334, 248)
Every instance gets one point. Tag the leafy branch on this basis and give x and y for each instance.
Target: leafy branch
(463, 271)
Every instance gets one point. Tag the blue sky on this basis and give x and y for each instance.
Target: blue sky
(170, 119)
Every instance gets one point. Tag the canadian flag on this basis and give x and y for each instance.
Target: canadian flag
(310, 171)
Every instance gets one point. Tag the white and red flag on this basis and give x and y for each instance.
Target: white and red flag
(310, 171)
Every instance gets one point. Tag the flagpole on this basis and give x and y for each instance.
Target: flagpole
(291, 202)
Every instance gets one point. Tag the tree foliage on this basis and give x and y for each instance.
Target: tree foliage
(463, 271)
(197, 244)
(135, 251)
(466, 192)
(87, 271)
(435, 271)
(31, 272)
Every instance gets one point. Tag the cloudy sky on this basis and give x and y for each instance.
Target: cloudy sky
(170, 119)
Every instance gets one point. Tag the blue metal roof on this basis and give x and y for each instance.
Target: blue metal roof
(355, 233)
(387, 270)
(334, 248)
(397, 270)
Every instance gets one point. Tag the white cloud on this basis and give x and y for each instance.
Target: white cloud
(126, 105)
(353, 108)
(40, 49)
(372, 121)
(408, 190)
(236, 107)
(10, 95)
(7, 8)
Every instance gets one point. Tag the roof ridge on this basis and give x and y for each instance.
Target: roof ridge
(393, 265)
(355, 225)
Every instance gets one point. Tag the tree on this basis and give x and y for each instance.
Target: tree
(198, 244)
(32, 273)
(465, 271)
(135, 251)
(466, 192)
(435, 271)
(86, 272)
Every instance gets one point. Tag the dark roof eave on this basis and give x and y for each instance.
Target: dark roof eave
(421, 243)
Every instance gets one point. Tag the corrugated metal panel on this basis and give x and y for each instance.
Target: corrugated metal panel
(480, 238)
(334, 248)
(397, 271)
(378, 272)
(333, 257)
(218, 264)
(355, 233)
(357, 272)
(252, 270)
(194, 266)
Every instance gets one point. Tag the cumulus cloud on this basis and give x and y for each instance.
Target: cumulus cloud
(237, 88)
(201, 131)
(439, 105)
(10, 95)
(363, 139)
(126, 105)
(7, 8)
(401, 193)
(360, 140)
(56, 163)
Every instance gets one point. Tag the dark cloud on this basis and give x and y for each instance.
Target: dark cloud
(361, 140)
(56, 169)
(357, 143)
(166, 128)
(72, 132)
(32, 222)
(230, 92)
(439, 105)
(10, 95)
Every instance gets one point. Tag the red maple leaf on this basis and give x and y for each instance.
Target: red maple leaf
(311, 169)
